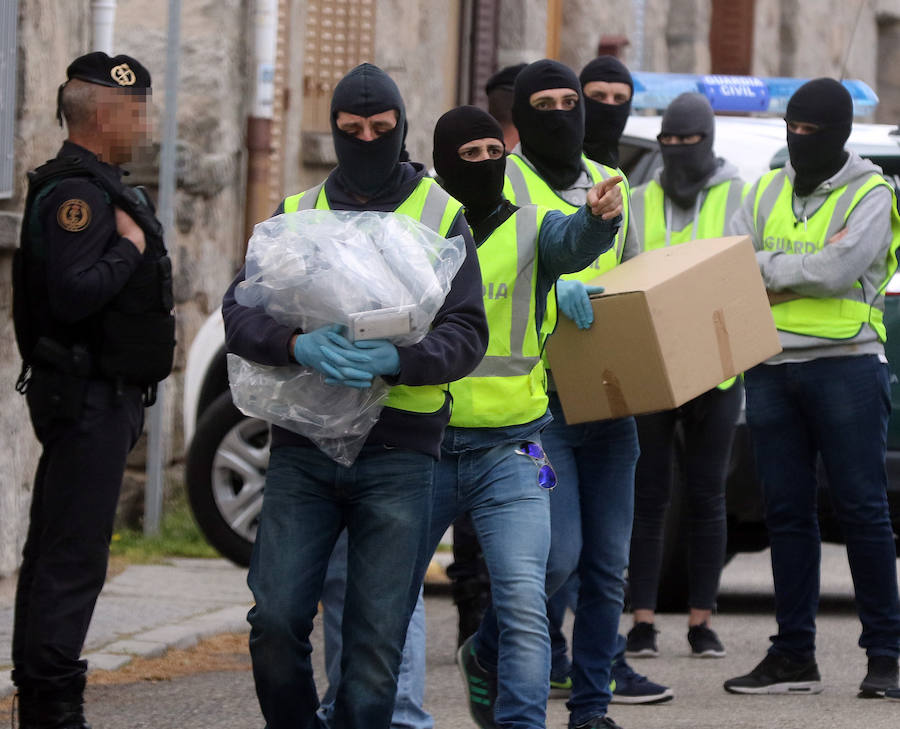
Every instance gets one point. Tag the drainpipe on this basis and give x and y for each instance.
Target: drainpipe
(259, 122)
(157, 433)
(103, 19)
(640, 18)
(554, 27)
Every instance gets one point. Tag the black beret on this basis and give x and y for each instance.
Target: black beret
(119, 72)
(504, 78)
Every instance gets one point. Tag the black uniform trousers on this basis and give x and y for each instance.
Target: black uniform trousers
(73, 507)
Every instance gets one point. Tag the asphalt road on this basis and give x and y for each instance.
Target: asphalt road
(227, 700)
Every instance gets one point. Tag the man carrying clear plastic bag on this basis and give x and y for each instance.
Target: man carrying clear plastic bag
(384, 498)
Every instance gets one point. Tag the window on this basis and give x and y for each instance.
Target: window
(340, 34)
(731, 37)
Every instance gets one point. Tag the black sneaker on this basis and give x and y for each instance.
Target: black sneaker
(481, 686)
(599, 722)
(777, 674)
(641, 641)
(704, 642)
(882, 675)
(892, 693)
(630, 687)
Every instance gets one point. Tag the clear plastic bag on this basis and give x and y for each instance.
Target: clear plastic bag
(317, 267)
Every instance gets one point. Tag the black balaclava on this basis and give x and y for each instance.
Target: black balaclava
(551, 140)
(604, 123)
(816, 157)
(477, 185)
(368, 168)
(687, 167)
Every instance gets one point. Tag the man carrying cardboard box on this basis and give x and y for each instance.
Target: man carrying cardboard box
(594, 461)
(826, 232)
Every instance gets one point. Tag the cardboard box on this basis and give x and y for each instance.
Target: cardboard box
(672, 323)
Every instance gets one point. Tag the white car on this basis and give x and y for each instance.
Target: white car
(227, 452)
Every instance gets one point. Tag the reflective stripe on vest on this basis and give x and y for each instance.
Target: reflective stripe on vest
(827, 318)
(716, 206)
(432, 207)
(509, 385)
(524, 186)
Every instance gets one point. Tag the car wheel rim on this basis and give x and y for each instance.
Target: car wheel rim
(238, 476)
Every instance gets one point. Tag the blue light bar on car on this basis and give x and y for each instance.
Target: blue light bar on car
(736, 93)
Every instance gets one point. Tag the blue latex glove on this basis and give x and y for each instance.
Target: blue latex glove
(329, 353)
(572, 297)
(383, 356)
(371, 357)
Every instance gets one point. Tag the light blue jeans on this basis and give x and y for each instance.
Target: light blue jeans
(408, 711)
(482, 474)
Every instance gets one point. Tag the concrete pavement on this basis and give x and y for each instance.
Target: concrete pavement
(180, 602)
(147, 609)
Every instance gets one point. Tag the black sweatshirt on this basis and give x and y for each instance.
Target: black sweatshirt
(453, 348)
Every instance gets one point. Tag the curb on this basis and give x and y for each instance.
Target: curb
(155, 642)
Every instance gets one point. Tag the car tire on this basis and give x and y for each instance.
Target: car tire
(225, 473)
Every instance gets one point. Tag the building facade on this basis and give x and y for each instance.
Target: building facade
(440, 54)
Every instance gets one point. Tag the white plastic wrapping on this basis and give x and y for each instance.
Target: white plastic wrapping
(317, 267)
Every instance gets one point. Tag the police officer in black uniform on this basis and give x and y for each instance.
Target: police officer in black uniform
(93, 313)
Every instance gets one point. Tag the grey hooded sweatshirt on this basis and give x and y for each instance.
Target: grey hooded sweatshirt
(677, 218)
(861, 255)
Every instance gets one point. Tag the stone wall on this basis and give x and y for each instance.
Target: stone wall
(50, 34)
(417, 43)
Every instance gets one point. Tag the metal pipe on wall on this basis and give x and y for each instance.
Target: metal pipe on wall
(156, 436)
(103, 20)
(640, 17)
(259, 122)
(554, 27)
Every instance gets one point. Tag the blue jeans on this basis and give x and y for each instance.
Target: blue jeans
(408, 711)
(591, 510)
(511, 515)
(837, 408)
(591, 514)
(384, 502)
(565, 598)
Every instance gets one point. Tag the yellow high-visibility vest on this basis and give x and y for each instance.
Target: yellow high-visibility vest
(841, 317)
(715, 208)
(509, 385)
(524, 186)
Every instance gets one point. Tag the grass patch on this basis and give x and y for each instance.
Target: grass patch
(178, 536)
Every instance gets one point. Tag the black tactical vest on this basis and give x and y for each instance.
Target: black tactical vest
(132, 339)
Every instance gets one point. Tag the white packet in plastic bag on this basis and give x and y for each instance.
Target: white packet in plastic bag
(312, 268)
